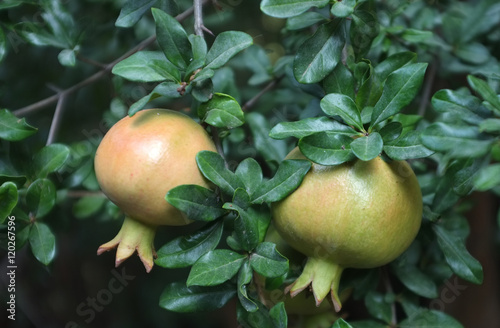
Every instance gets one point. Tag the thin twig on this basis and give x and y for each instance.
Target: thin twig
(250, 103)
(198, 17)
(428, 84)
(96, 76)
(56, 119)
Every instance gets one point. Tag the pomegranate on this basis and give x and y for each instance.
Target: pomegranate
(360, 214)
(137, 162)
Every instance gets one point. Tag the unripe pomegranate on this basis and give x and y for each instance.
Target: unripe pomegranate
(137, 162)
(354, 215)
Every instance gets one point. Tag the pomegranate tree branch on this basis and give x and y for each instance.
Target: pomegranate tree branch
(251, 102)
(56, 119)
(198, 17)
(98, 75)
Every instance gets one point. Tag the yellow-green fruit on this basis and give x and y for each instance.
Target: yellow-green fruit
(138, 161)
(360, 214)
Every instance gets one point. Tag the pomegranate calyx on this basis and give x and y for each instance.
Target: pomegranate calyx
(133, 236)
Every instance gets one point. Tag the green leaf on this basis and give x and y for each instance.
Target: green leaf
(399, 90)
(429, 319)
(251, 224)
(215, 267)
(288, 177)
(472, 52)
(87, 206)
(267, 261)
(165, 89)
(458, 141)
(416, 36)
(378, 307)
(250, 173)
(8, 199)
(343, 8)
(415, 280)
(199, 203)
(337, 104)
(18, 180)
(341, 323)
(132, 11)
(364, 29)
(256, 319)
(147, 66)
(10, 3)
(184, 251)
(408, 146)
(318, 55)
(289, 8)
(272, 150)
(485, 91)
(365, 324)
(41, 197)
(13, 128)
(226, 45)
(172, 38)
(391, 131)
(214, 169)
(458, 258)
(244, 277)
(369, 147)
(304, 20)
(50, 159)
(340, 80)
(449, 101)
(199, 46)
(490, 125)
(222, 111)
(3, 45)
(203, 90)
(42, 242)
(308, 126)
(327, 149)
(488, 178)
(177, 297)
(393, 63)
(278, 315)
(67, 57)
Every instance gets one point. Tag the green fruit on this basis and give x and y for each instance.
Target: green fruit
(354, 215)
(137, 162)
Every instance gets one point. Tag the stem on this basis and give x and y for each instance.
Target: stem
(250, 103)
(426, 94)
(56, 119)
(198, 17)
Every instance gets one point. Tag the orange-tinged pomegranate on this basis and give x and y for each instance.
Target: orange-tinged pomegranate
(137, 162)
(354, 215)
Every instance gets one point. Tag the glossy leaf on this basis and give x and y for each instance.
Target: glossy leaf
(215, 267)
(42, 242)
(199, 203)
(429, 319)
(184, 251)
(457, 141)
(289, 8)
(132, 11)
(214, 169)
(273, 150)
(486, 92)
(399, 90)
(343, 8)
(415, 280)
(364, 29)
(8, 199)
(256, 319)
(391, 131)
(449, 101)
(341, 323)
(337, 104)
(308, 126)
(222, 111)
(288, 177)
(488, 178)
(245, 276)
(226, 45)
(490, 125)
(177, 297)
(304, 20)
(319, 54)
(278, 315)
(267, 261)
(147, 66)
(199, 47)
(172, 38)
(393, 63)
(378, 307)
(327, 149)
(87, 206)
(368, 147)
(165, 89)
(18, 180)
(13, 128)
(408, 146)
(340, 80)
(458, 258)
(50, 159)
(251, 224)
(41, 197)
(250, 173)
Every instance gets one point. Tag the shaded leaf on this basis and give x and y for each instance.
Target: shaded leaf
(13, 128)
(337, 104)
(226, 45)
(289, 8)
(244, 277)
(429, 319)
(8, 199)
(184, 251)
(215, 267)
(251, 224)
(364, 29)
(485, 91)
(278, 315)
(378, 307)
(222, 111)
(132, 11)
(199, 203)
(449, 101)
(368, 147)
(408, 146)
(50, 159)
(250, 173)
(178, 297)
(488, 178)
(42, 242)
(267, 261)
(88, 206)
(327, 149)
(340, 80)
(41, 197)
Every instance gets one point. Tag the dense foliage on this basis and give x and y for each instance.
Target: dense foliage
(342, 80)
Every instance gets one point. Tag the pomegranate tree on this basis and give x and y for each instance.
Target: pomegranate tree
(138, 161)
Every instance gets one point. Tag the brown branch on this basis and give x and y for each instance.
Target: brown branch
(56, 119)
(250, 103)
